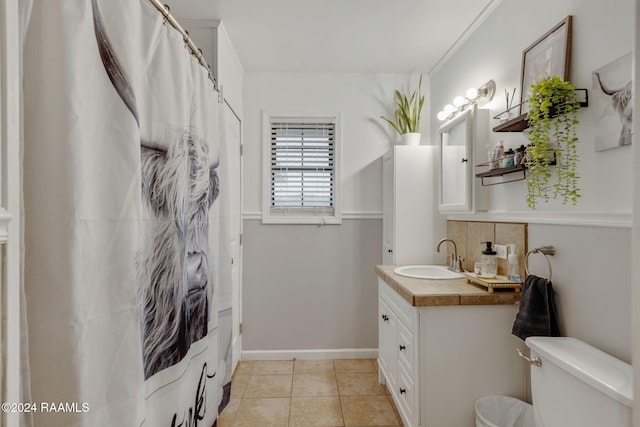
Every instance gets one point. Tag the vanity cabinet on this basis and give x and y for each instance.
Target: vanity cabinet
(397, 354)
(409, 205)
(437, 360)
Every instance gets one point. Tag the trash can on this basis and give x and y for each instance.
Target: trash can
(503, 411)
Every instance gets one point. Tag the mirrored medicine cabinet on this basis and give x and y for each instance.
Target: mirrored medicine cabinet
(462, 141)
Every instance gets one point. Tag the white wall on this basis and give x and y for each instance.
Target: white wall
(592, 269)
(602, 32)
(360, 98)
(211, 37)
(591, 279)
(311, 288)
(230, 72)
(289, 301)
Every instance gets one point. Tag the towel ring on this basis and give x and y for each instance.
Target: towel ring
(544, 251)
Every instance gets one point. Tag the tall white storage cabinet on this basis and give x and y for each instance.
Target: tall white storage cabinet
(410, 223)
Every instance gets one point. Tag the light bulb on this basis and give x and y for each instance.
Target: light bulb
(449, 109)
(442, 115)
(472, 93)
(459, 101)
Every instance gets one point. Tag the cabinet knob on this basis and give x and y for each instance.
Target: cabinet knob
(403, 391)
(385, 317)
(390, 251)
(464, 160)
(402, 347)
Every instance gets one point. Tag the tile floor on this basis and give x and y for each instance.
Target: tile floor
(308, 393)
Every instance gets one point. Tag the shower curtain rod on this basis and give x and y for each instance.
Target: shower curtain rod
(195, 51)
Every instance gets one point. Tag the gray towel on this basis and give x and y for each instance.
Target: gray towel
(537, 310)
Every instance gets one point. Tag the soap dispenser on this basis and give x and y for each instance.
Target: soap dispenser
(513, 268)
(488, 262)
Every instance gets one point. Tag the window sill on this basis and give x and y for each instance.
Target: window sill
(301, 220)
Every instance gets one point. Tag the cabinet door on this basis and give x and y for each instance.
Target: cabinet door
(406, 348)
(387, 208)
(410, 226)
(407, 398)
(456, 138)
(387, 343)
(463, 142)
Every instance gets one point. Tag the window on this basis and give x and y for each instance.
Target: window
(301, 170)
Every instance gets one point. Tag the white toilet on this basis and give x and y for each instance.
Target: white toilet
(578, 385)
(572, 385)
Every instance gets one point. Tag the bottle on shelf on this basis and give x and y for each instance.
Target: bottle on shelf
(495, 156)
(513, 267)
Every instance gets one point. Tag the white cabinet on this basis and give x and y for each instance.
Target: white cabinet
(397, 354)
(437, 360)
(388, 341)
(463, 143)
(410, 228)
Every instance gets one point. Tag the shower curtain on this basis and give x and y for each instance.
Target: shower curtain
(127, 263)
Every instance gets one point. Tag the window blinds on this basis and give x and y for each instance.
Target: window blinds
(302, 165)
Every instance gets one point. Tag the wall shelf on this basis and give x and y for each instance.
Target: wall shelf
(519, 124)
(521, 170)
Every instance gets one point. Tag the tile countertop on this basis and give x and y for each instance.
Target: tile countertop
(431, 292)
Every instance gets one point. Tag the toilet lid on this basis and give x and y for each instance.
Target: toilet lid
(595, 367)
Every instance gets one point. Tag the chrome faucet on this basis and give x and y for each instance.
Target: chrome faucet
(456, 262)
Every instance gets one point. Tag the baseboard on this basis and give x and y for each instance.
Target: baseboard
(346, 353)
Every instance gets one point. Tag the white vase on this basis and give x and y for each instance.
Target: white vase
(411, 138)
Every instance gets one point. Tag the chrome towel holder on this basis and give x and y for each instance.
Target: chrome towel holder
(544, 251)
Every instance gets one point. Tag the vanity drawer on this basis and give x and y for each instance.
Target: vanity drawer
(405, 312)
(386, 292)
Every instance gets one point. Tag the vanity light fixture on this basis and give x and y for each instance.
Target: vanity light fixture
(472, 93)
(442, 116)
(459, 101)
(478, 96)
(483, 94)
(449, 109)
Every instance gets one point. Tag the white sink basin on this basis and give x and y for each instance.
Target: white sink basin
(427, 272)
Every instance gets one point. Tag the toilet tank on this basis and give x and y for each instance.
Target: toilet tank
(578, 385)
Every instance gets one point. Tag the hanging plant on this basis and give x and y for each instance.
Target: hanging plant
(409, 109)
(552, 140)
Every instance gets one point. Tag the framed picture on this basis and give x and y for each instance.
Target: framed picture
(613, 103)
(547, 56)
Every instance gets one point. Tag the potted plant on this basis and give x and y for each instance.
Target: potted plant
(409, 109)
(552, 141)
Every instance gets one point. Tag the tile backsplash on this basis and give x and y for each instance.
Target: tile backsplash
(469, 236)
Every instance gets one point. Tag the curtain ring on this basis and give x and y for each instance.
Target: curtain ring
(166, 13)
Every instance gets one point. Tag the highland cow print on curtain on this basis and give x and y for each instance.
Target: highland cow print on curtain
(126, 162)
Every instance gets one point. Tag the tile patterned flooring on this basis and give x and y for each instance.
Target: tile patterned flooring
(308, 393)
